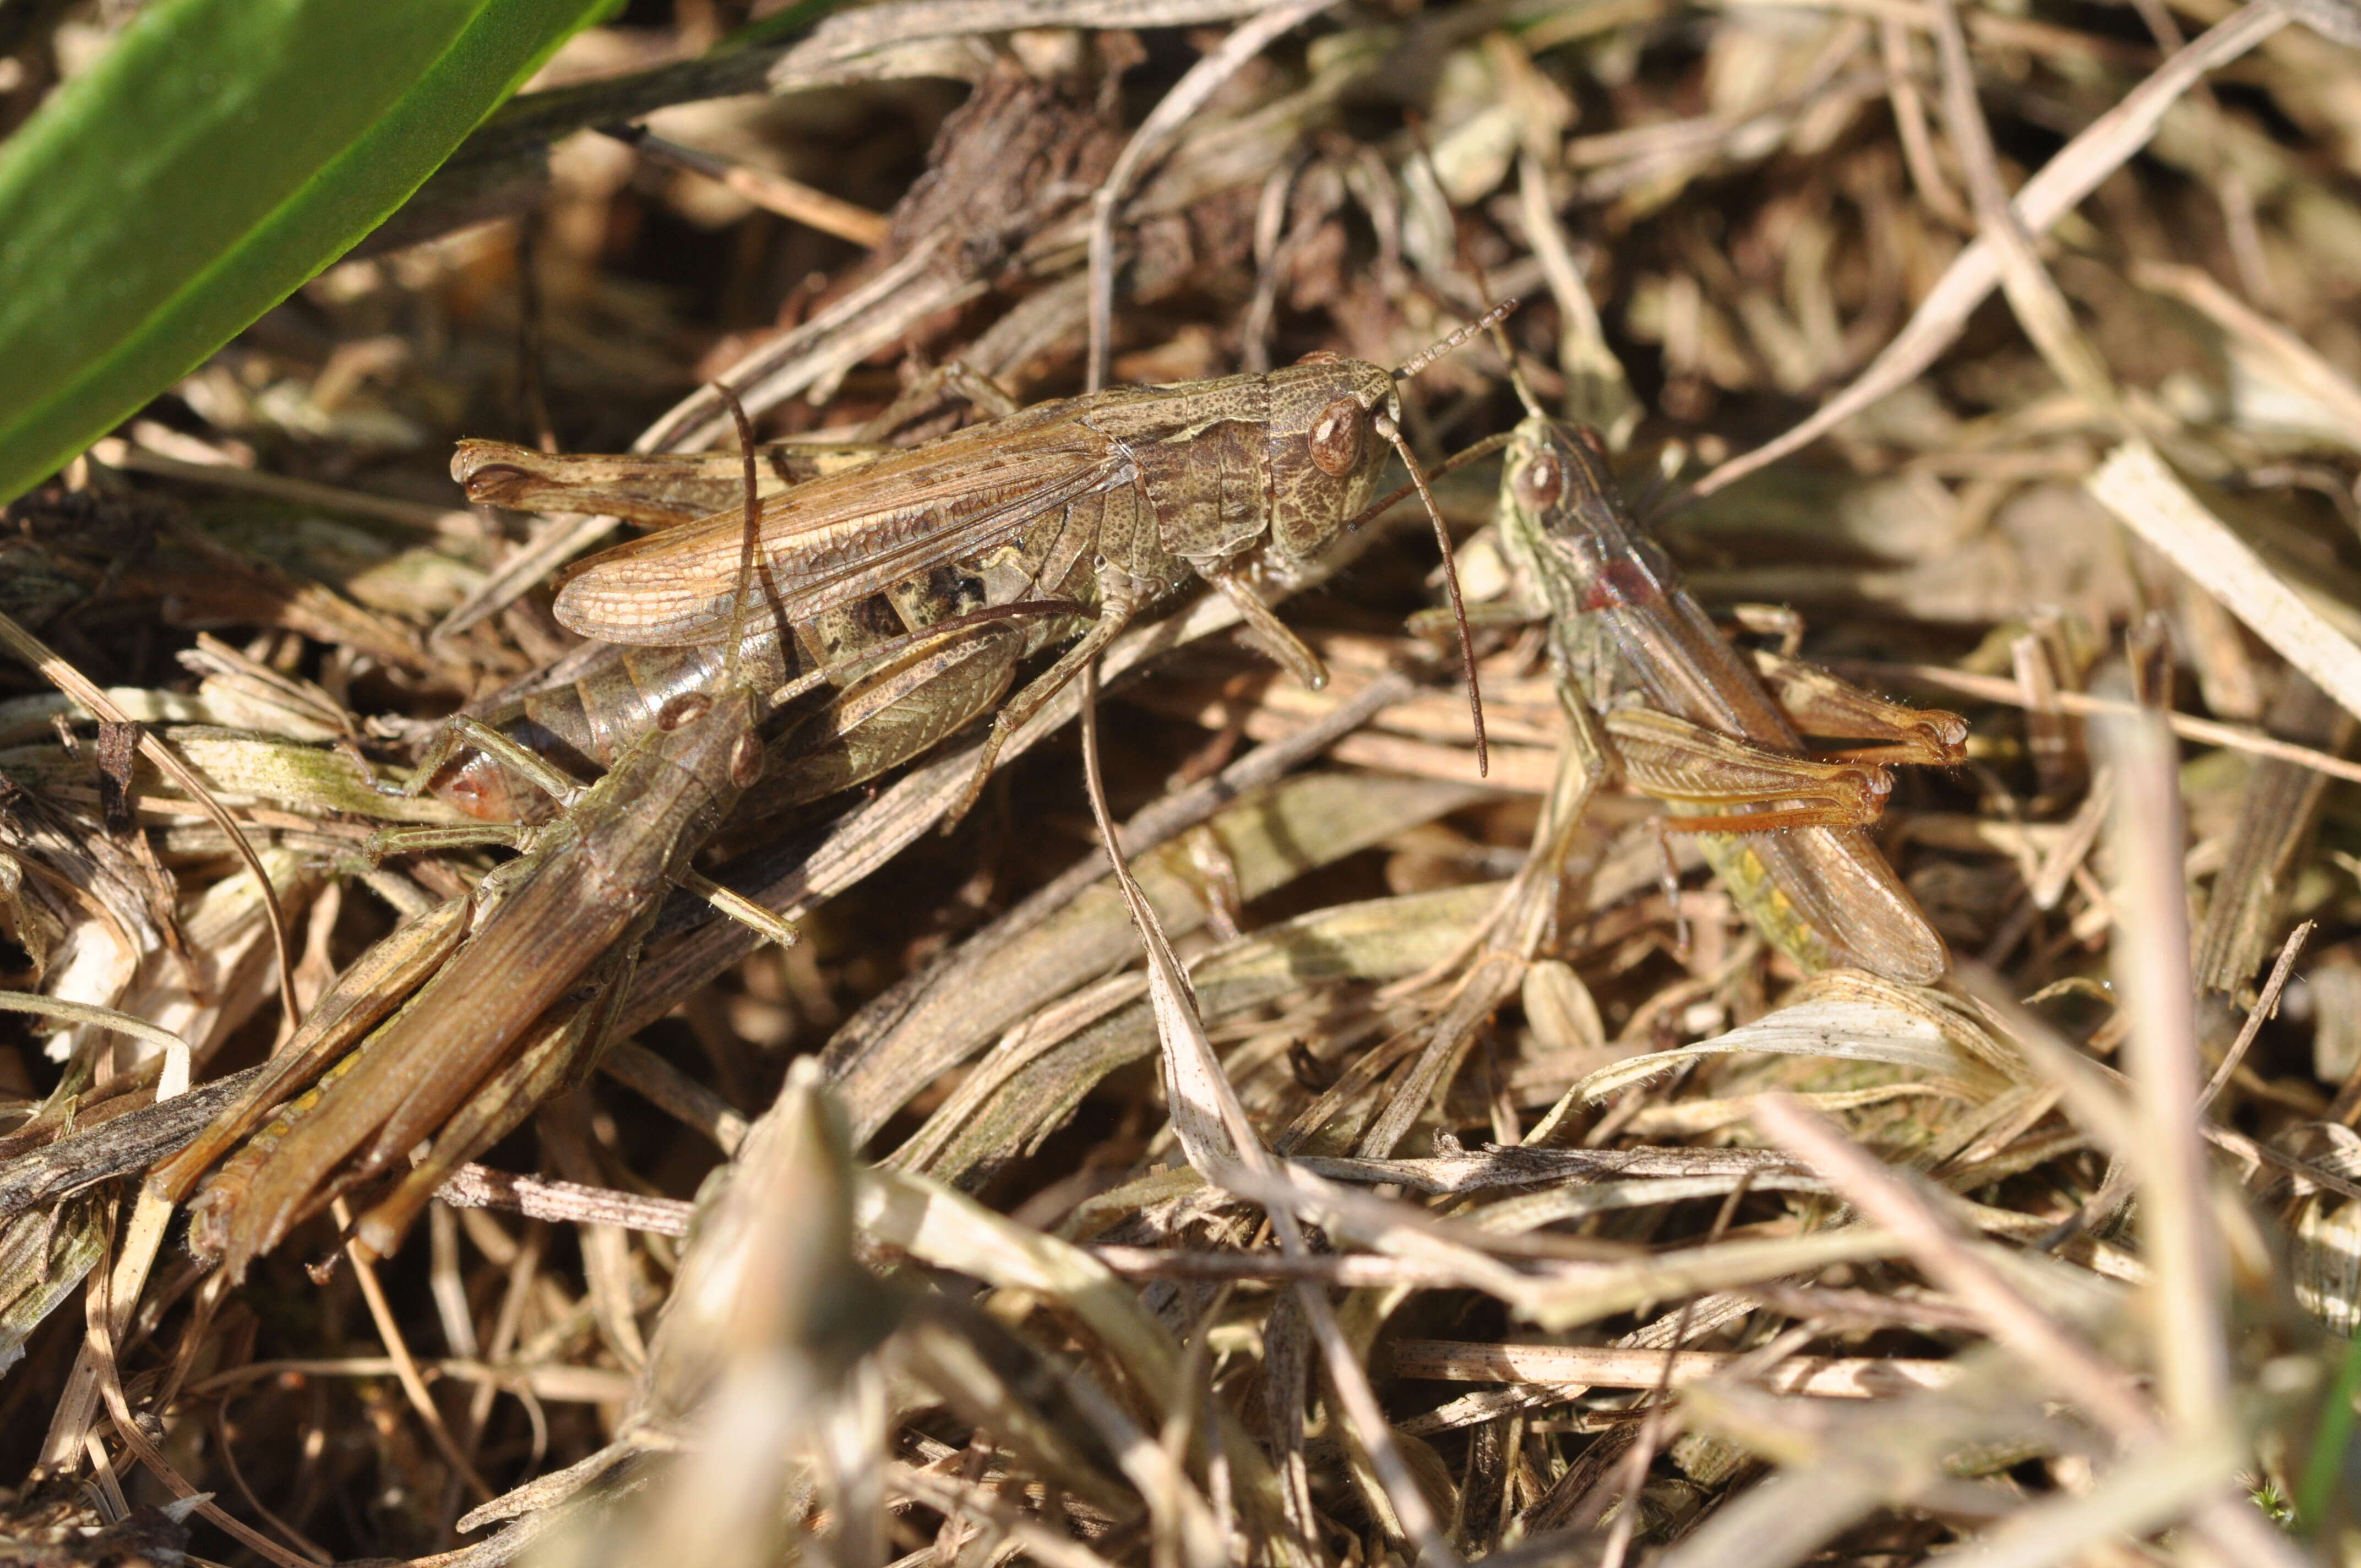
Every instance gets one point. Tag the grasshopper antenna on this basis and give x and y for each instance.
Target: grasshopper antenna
(1501, 332)
(736, 655)
(1509, 356)
(1490, 321)
(1465, 457)
(1435, 351)
(1386, 427)
(1466, 255)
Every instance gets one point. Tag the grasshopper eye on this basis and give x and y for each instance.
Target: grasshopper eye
(745, 762)
(1542, 481)
(1336, 437)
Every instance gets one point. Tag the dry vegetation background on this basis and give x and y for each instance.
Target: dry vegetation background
(1607, 1237)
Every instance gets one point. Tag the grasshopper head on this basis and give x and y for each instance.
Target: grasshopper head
(1324, 450)
(1562, 515)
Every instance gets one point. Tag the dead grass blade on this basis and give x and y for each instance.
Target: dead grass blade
(2135, 485)
(1188, 95)
(1222, 1144)
(67, 679)
(2072, 174)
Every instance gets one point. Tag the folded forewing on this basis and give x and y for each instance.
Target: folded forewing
(837, 540)
(1838, 883)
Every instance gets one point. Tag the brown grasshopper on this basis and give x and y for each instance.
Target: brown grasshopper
(913, 585)
(514, 1007)
(1693, 723)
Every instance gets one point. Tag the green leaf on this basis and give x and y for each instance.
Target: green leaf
(221, 154)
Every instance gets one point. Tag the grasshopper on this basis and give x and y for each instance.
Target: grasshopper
(515, 1007)
(1694, 723)
(911, 587)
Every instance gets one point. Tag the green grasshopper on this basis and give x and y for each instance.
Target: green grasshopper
(904, 591)
(1696, 724)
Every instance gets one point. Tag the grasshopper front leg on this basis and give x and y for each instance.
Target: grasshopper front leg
(1276, 640)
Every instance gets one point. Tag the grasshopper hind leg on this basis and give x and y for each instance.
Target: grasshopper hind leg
(881, 721)
(1117, 605)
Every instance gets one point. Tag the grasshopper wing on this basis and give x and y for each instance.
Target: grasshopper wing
(654, 489)
(1844, 904)
(837, 540)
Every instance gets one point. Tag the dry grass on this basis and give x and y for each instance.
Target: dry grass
(1446, 1183)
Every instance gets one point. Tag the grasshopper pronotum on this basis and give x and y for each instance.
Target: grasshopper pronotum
(1692, 722)
(904, 591)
